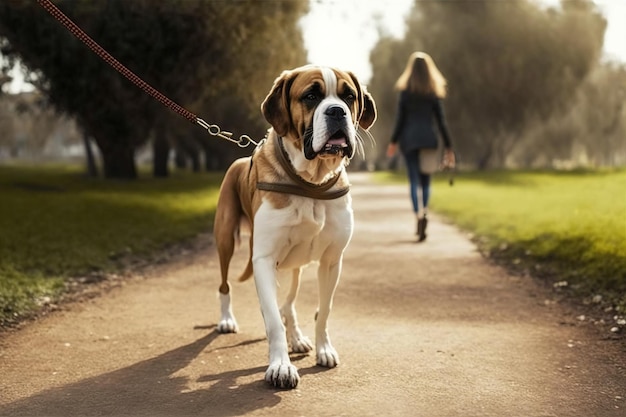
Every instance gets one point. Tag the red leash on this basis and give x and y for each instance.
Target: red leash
(243, 141)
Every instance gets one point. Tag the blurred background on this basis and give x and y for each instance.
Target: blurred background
(532, 83)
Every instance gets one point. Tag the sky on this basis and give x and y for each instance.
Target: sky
(353, 21)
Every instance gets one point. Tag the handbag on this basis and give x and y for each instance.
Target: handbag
(429, 160)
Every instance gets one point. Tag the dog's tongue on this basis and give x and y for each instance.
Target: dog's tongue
(337, 141)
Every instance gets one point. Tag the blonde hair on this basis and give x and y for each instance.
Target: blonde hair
(422, 76)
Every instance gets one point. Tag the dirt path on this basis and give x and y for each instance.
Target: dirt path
(422, 330)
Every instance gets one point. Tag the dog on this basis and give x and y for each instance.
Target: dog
(294, 193)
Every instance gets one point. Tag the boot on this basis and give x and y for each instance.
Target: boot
(421, 229)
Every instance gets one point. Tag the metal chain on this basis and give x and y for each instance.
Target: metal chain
(243, 141)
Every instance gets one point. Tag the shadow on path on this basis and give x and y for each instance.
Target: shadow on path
(149, 388)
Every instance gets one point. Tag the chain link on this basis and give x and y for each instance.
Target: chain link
(243, 141)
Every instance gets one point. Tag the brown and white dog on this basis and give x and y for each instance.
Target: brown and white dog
(294, 192)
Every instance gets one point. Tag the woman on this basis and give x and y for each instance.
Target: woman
(422, 88)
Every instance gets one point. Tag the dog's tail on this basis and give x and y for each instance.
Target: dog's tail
(227, 224)
(245, 225)
(247, 273)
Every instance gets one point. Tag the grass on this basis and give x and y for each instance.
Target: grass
(56, 224)
(565, 227)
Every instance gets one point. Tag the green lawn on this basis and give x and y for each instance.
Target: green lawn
(56, 224)
(567, 227)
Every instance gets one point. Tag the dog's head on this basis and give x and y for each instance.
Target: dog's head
(318, 110)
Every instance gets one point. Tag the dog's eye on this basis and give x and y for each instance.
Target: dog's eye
(349, 98)
(310, 97)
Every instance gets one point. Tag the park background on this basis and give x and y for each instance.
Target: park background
(95, 174)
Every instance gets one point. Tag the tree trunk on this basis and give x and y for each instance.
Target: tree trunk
(160, 154)
(211, 158)
(484, 159)
(194, 155)
(180, 158)
(118, 160)
(188, 150)
(92, 168)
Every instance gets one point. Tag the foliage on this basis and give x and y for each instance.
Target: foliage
(589, 132)
(194, 51)
(509, 65)
(562, 226)
(57, 224)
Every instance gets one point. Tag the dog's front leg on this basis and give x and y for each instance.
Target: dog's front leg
(280, 373)
(328, 277)
(299, 342)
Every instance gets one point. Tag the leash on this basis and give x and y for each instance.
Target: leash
(243, 141)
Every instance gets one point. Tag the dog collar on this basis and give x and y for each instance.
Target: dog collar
(301, 187)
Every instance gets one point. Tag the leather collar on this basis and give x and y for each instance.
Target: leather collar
(301, 187)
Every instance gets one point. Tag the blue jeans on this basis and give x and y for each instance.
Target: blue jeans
(420, 183)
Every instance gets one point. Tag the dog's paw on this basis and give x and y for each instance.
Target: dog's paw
(327, 356)
(282, 375)
(227, 326)
(301, 344)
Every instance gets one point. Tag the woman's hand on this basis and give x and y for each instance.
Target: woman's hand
(449, 159)
(392, 149)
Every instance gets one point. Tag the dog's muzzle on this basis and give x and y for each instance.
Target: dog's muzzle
(337, 142)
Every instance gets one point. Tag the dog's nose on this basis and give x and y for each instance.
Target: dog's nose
(336, 112)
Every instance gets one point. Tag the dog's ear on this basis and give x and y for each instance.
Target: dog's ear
(275, 107)
(368, 115)
(367, 106)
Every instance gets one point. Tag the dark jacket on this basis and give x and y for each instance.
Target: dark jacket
(415, 123)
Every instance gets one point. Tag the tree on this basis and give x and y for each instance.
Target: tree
(590, 131)
(195, 52)
(508, 65)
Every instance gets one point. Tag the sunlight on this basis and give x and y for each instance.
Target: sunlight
(342, 33)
